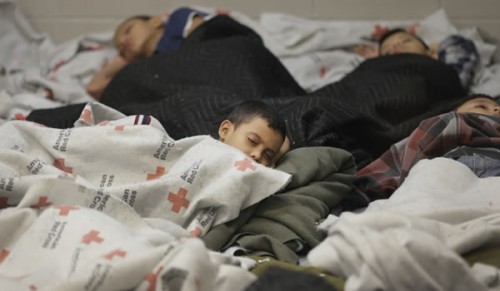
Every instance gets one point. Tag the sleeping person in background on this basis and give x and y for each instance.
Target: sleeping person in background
(455, 50)
(469, 134)
(142, 36)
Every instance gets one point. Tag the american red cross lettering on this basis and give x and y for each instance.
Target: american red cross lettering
(151, 278)
(3, 255)
(114, 253)
(65, 209)
(92, 236)
(160, 171)
(178, 200)
(245, 164)
(42, 202)
(59, 163)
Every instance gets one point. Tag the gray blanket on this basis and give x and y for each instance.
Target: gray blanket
(284, 225)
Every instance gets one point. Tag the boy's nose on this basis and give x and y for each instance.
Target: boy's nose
(255, 156)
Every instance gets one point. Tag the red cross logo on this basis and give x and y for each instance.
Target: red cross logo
(151, 278)
(245, 164)
(59, 163)
(196, 232)
(3, 255)
(86, 116)
(178, 200)
(3, 201)
(322, 72)
(160, 171)
(379, 31)
(42, 202)
(114, 253)
(65, 209)
(58, 65)
(92, 236)
(221, 12)
(20, 116)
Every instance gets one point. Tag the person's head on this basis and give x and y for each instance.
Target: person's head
(479, 103)
(398, 40)
(137, 36)
(257, 130)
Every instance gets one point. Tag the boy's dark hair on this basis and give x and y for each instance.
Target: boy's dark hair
(140, 17)
(247, 110)
(398, 30)
(470, 97)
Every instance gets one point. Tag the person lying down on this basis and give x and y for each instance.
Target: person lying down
(468, 134)
(141, 36)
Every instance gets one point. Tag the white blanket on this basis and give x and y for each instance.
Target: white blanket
(412, 241)
(114, 201)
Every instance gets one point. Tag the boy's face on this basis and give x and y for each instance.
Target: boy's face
(133, 36)
(480, 105)
(255, 138)
(402, 42)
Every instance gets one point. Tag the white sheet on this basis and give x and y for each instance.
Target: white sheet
(412, 241)
(115, 202)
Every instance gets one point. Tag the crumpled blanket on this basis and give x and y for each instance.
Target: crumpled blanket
(414, 239)
(434, 137)
(116, 198)
(73, 247)
(35, 73)
(283, 226)
(150, 170)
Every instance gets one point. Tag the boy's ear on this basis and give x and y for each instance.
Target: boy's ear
(224, 129)
(433, 50)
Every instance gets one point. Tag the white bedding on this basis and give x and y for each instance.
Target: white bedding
(110, 164)
(412, 240)
(116, 201)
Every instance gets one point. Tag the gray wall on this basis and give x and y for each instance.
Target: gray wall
(66, 19)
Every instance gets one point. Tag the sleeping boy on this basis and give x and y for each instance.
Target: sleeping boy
(142, 36)
(257, 130)
(252, 126)
(455, 50)
(468, 134)
(482, 104)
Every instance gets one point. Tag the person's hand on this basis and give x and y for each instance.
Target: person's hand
(116, 64)
(101, 79)
(367, 51)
